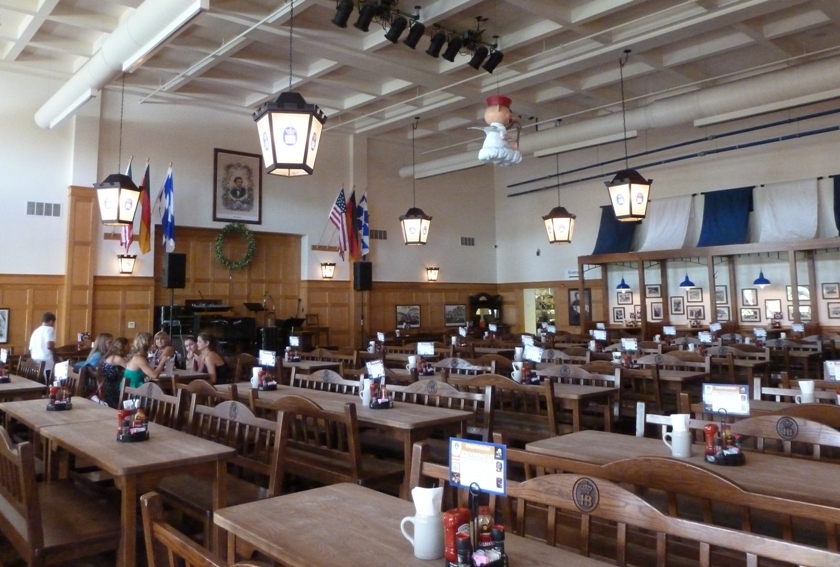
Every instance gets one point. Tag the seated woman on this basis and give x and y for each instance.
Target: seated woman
(212, 362)
(192, 360)
(98, 349)
(111, 370)
(162, 347)
(138, 367)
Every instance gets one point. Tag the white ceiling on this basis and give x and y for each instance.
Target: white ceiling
(560, 57)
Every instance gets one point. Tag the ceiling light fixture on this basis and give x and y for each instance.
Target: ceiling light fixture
(629, 191)
(453, 48)
(761, 281)
(559, 223)
(118, 196)
(397, 27)
(415, 34)
(687, 283)
(343, 11)
(623, 286)
(436, 44)
(289, 128)
(415, 223)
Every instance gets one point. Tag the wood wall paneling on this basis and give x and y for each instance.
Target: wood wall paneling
(27, 297)
(76, 312)
(119, 300)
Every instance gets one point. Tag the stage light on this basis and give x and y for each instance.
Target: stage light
(493, 61)
(397, 27)
(366, 14)
(455, 44)
(436, 44)
(342, 13)
(478, 57)
(415, 34)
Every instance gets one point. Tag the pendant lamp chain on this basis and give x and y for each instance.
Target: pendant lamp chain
(291, 44)
(621, 62)
(122, 106)
(559, 179)
(413, 162)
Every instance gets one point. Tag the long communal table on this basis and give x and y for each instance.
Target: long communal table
(20, 388)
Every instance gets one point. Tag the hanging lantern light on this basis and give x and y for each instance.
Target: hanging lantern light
(629, 191)
(415, 223)
(559, 223)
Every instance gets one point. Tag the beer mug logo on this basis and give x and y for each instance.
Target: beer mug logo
(640, 198)
(619, 200)
(128, 204)
(313, 143)
(565, 371)
(585, 494)
(787, 428)
(290, 136)
(266, 141)
(431, 388)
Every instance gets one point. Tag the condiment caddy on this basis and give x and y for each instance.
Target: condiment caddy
(60, 397)
(262, 380)
(723, 448)
(4, 376)
(132, 423)
(471, 539)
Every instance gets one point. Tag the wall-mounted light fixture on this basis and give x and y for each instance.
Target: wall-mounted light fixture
(126, 262)
(327, 270)
(432, 273)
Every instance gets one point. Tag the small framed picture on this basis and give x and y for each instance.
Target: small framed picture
(408, 316)
(773, 308)
(237, 188)
(804, 312)
(804, 293)
(455, 315)
(624, 297)
(749, 297)
(831, 290)
(677, 305)
(722, 313)
(656, 311)
(618, 314)
(653, 291)
(721, 295)
(750, 315)
(696, 312)
(833, 310)
(4, 325)
(694, 295)
(637, 312)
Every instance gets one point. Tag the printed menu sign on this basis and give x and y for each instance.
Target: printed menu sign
(478, 462)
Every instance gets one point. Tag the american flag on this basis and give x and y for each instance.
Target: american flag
(338, 216)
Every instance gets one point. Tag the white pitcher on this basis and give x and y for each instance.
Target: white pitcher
(364, 390)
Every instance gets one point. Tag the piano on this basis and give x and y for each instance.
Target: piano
(198, 306)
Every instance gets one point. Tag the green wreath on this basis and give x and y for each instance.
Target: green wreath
(250, 242)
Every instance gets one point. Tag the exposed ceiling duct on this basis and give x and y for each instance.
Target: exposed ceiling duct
(770, 88)
(147, 27)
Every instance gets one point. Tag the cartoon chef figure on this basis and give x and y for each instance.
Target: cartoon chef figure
(500, 147)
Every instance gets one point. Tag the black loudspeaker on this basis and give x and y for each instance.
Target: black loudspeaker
(174, 271)
(362, 276)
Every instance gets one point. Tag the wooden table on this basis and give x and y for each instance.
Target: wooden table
(405, 422)
(34, 415)
(677, 380)
(757, 407)
(180, 377)
(21, 388)
(786, 477)
(138, 467)
(353, 526)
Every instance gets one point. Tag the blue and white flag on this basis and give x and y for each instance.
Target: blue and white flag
(363, 224)
(168, 217)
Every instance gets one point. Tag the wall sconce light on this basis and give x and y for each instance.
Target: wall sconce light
(126, 262)
(327, 270)
(432, 274)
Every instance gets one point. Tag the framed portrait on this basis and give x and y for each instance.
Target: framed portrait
(237, 187)
(749, 297)
(618, 314)
(575, 305)
(653, 291)
(721, 295)
(696, 312)
(637, 312)
(804, 312)
(455, 315)
(408, 316)
(694, 295)
(4, 325)
(804, 293)
(656, 311)
(722, 313)
(624, 297)
(833, 310)
(677, 305)
(773, 308)
(750, 314)
(831, 290)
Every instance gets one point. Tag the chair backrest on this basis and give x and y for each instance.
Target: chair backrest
(257, 441)
(326, 380)
(827, 414)
(677, 360)
(785, 431)
(586, 498)
(161, 408)
(498, 364)
(20, 519)
(344, 360)
(522, 412)
(466, 351)
(31, 370)
(640, 385)
(577, 374)
(246, 364)
(788, 394)
(363, 357)
(566, 356)
(456, 365)
(202, 392)
(441, 394)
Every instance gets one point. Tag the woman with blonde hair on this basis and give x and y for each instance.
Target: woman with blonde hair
(97, 351)
(162, 347)
(111, 370)
(138, 367)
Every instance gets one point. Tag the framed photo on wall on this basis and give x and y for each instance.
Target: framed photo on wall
(4, 325)
(237, 187)
(721, 296)
(694, 295)
(653, 291)
(677, 305)
(749, 297)
(750, 315)
(618, 314)
(696, 312)
(408, 316)
(624, 297)
(656, 311)
(804, 293)
(575, 305)
(722, 313)
(833, 310)
(831, 290)
(454, 315)
(804, 312)
(772, 307)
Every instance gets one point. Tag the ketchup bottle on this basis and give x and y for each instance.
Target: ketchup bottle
(455, 521)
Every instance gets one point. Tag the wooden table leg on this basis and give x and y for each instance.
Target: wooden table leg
(576, 411)
(608, 413)
(220, 501)
(127, 554)
(409, 438)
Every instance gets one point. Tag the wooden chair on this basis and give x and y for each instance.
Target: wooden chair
(678, 360)
(323, 446)
(785, 431)
(343, 360)
(461, 366)
(498, 364)
(166, 546)
(31, 370)
(326, 380)
(203, 393)
(640, 389)
(246, 364)
(588, 502)
(573, 355)
(254, 473)
(522, 412)
(54, 522)
(788, 394)
(233, 368)
(363, 356)
(827, 414)
(161, 408)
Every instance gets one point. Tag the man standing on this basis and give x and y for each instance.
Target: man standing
(42, 343)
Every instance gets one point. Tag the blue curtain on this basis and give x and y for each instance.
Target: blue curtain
(726, 217)
(837, 202)
(614, 235)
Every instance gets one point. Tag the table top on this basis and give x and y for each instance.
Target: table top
(21, 385)
(561, 391)
(401, 416)
(166, 448)
(34, 414)
(182, 376)
(682, 375)
(757, 407)
(362, 527)
(312, 365)
(785, 477)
